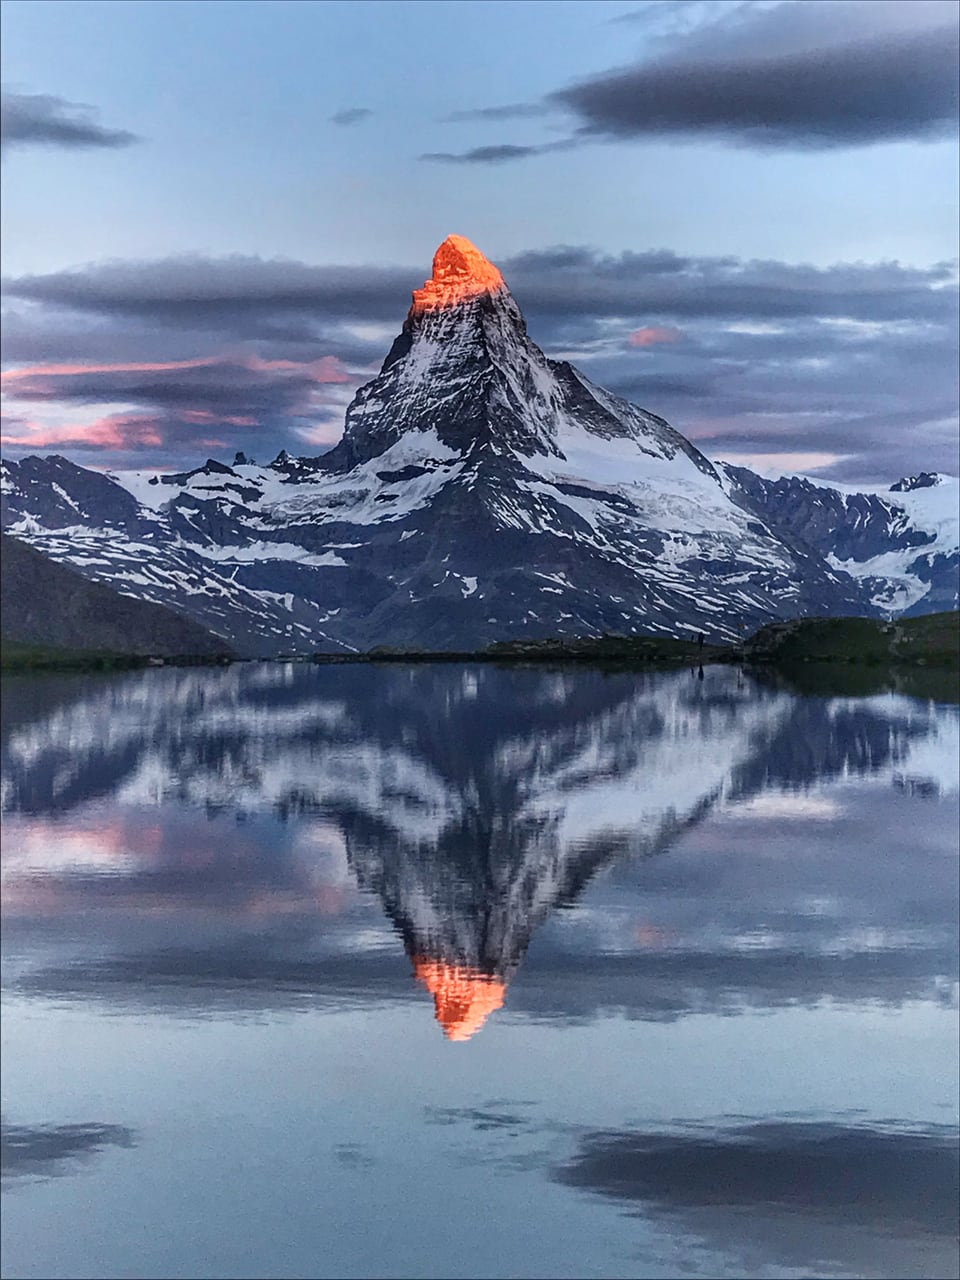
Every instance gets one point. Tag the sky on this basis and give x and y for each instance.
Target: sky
(741, 216)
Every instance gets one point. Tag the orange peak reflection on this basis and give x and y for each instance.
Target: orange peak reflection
(464, 998)
(460, 272)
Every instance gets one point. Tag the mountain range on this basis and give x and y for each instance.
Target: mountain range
(483, 492)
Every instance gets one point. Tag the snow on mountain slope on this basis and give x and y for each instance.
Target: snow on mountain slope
(902, 579)
(900, 542)
(480, 492)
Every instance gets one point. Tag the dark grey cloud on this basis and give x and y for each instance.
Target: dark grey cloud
(202, 289)
(353, 115)
(498, 154)
(792, 75)
(651, 387)
(569, 279)
(482, 155)
(39, 334)
(877, 90)
(717, 29)
(557, 281)
(49, 1149)
(225, 387)
(37, 119)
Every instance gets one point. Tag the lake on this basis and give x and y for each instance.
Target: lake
(465, 971)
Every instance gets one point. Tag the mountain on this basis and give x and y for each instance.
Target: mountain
(44, 603)
(480, 492)
(900, 543)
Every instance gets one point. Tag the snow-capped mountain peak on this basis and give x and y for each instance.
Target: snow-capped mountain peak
(460, 272)
(464, 367)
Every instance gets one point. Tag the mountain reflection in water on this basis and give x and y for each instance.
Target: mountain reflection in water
(691, 946)
(251, 808)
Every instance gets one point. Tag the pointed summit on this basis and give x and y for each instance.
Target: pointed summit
(460, 272)
(464, 374)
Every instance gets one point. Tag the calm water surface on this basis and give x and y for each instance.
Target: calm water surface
(444, 971)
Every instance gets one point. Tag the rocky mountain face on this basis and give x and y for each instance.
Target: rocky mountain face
(44, 603)
(480, 492)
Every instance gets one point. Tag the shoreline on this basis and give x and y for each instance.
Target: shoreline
(929, 641)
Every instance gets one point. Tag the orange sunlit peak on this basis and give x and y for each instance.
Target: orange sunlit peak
(464, 998)
(460, 272)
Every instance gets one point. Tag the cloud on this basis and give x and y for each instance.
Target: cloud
(481, 155)
(202, 377)
(118, 432)
(907, 1177)
(243, 296)
(239, 290)
(866, 92)
(575, 279)
(512, 111)
(789, 76)
(498, 154)
(177, 405)
(719, 31)
(36, 119)
(651, 336)
(353, 115)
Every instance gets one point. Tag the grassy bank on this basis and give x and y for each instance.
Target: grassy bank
(933, 641)
(15, 655)
(639, 650)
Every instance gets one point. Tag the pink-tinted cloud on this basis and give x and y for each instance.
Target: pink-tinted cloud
(203, 417)
(652, 336)
(174, 405)
(325, 433)
(327, 369)
(778, 464)
(11, 376)
(117, 431)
